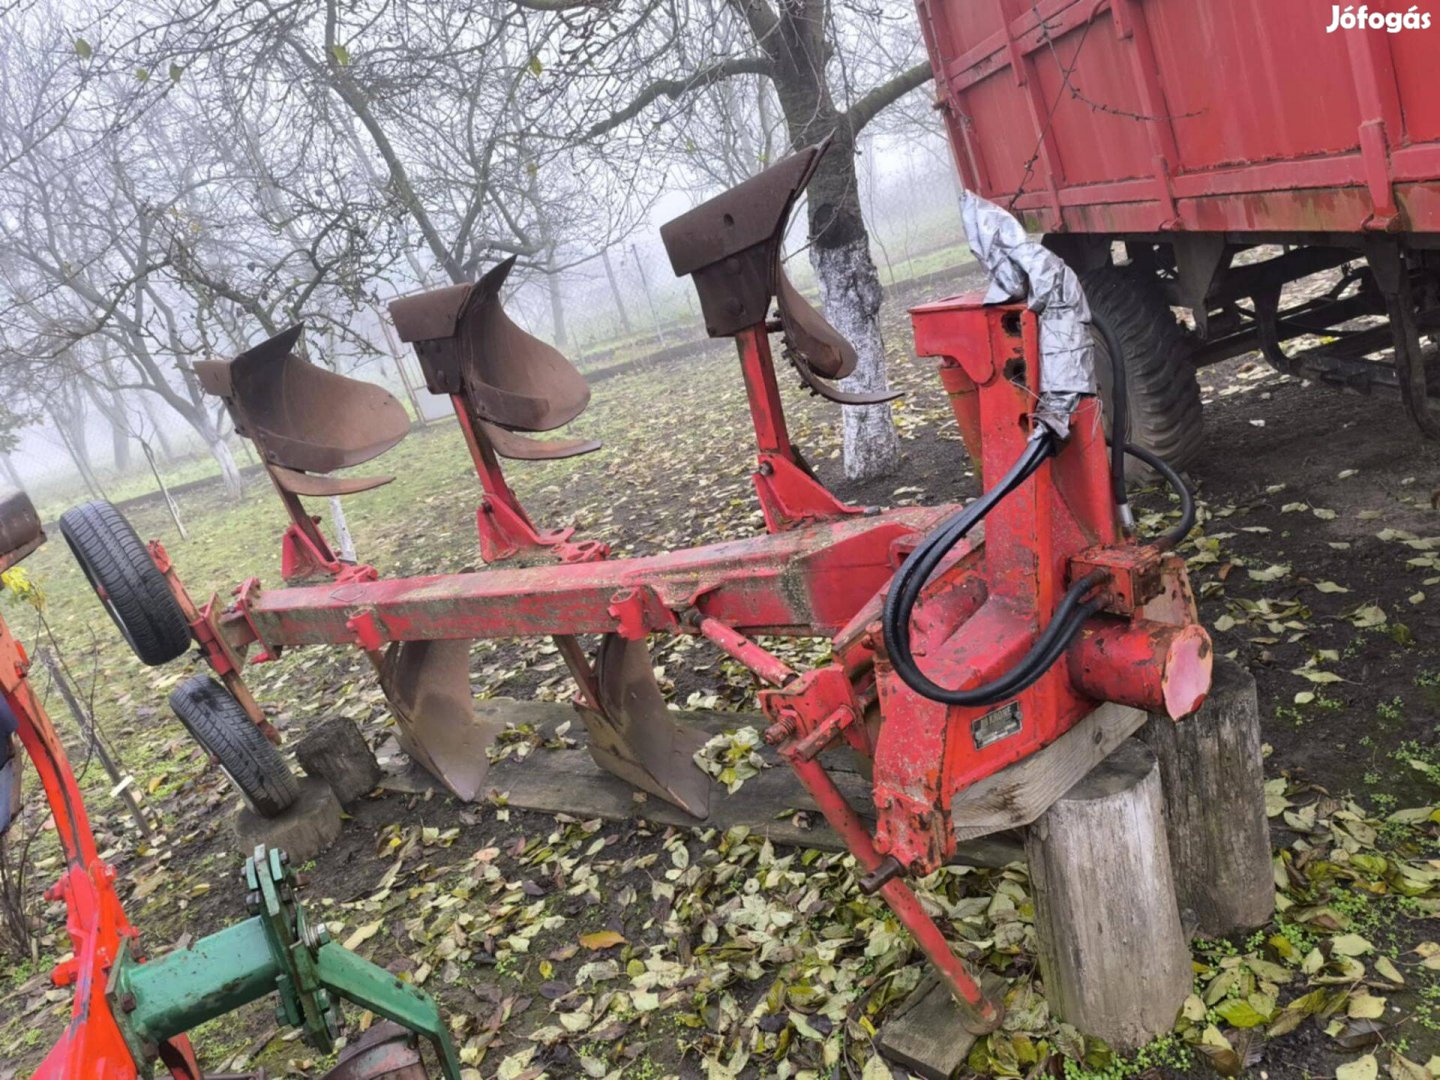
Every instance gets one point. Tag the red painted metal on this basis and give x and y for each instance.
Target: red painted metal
(764, 664)
(1149, 665)
(822, 569)
(803, 582)
(506, 531)
(91, 1045)
(789, 493)
(984, 1015)
(304, 551)
(204, 628)
(1141, 116)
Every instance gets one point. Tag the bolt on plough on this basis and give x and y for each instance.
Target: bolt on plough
(954, 655)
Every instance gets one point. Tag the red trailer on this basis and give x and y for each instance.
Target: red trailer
(1232, 147)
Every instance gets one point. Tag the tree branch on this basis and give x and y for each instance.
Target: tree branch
(674, 88)
(886, 94)
(564, 5)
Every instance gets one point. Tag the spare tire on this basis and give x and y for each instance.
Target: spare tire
(1163, 396)
(221, 726)
(128, 582)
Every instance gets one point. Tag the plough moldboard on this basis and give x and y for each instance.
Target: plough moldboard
(953, 658)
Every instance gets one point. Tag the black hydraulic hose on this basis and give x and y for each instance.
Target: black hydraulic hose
(1177, 484)
(1069, 617)
(1119, 420)
(911, 578)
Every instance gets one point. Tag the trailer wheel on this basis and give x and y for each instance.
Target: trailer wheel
(127, 581)
(1163, 395)
(220, 725)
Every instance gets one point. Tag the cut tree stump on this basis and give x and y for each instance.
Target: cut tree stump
(337, 753)
(1212, 773)
(304, 830)
(1113, 954)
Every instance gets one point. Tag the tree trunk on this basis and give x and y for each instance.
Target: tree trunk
(850, 288)
(615, 293)
(557, 304)
(120, 447)
(69, 420)
(851, 293)
(78, 454)
(10, 472)
(167, 449)
(229, 471)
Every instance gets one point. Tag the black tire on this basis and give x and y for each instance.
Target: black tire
(1163, 394)
(219, 724)
(128, 582)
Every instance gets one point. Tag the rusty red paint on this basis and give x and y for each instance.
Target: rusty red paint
(789, 494)
(1158, 668)
(764, 664)
(982, 1013)
(204, 628)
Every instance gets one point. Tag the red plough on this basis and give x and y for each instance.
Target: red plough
(953, 657)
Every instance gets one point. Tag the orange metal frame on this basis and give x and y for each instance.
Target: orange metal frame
(92, 1046)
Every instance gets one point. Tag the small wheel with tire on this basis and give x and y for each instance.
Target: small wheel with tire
(129, 584)
(1163, 396)
(220, 725)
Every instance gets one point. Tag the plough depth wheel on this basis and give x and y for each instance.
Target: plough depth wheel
(127, 581)
(217, 722)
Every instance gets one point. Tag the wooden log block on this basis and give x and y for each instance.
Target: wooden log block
(1214, 782)
(925, 1035)
(304, 830)
(337, 753)
(1113, 955)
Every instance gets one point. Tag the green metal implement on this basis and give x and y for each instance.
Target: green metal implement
(275, 951)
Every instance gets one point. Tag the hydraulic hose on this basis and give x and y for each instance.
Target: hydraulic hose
(911, 578)
(1070, 614)
(1069, 617)
(1119, 421)
(1177, 484)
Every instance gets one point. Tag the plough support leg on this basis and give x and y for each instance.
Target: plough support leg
(979, 1014)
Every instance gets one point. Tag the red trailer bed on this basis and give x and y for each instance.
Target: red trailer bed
(1195, 130)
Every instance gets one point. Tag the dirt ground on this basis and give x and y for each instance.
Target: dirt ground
(563, 947)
